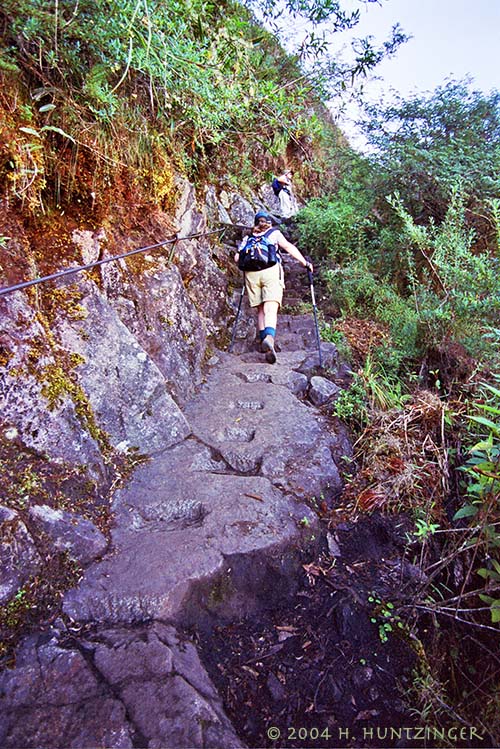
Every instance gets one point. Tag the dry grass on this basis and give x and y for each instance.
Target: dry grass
(403, 459)
(363, 337)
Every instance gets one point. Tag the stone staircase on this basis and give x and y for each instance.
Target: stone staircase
(213, 528)
(210, 530)
(296, 329)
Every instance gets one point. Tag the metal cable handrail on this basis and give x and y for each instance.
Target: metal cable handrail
(79, 268)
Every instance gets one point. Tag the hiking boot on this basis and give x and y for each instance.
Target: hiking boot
(268, 349)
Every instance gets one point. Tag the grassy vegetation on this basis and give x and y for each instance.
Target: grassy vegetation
(415, 292)
(97, 93)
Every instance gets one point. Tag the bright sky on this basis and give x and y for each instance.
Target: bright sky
(451, 39)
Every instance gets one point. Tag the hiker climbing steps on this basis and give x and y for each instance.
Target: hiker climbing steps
(260, 257)
(295, 332)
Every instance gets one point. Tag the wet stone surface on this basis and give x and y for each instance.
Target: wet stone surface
(208, 542)
(210, 530)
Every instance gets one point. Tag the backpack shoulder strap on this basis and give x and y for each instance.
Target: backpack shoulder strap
(269, 232)
(274, 244)
(248, 239)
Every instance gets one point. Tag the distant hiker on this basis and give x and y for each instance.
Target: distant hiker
(265, 286)
(282, 188)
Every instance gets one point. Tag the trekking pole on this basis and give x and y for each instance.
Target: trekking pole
(237, 317)
(310, 277)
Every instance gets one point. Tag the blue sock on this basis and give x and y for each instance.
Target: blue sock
(269, 331)
(262, 334)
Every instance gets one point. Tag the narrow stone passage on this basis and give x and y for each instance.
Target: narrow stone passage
(210, 530)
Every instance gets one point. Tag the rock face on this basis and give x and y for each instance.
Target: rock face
(18, 555)
(34, 400)
(162, 318)
(323, 391)
(46, 691)
(241, 211)
(118, 688)
(205, 285)
(70, 532)
(122, 348)
(214, 526)
(114, 362)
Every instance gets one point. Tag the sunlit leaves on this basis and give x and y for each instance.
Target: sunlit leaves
(427, 143)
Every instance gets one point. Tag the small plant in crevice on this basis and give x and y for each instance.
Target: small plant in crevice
(14, 611)
(384, 617)
(37, 601)
(424, 529)
(27, 482)
(351, 404)
(329, 333)
(427, 697)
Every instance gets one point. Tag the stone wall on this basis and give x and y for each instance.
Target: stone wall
(132, 341)
(96, 366)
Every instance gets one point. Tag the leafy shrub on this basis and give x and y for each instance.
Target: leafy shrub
(352, 287)
(329, 333)
(426, 142)
(127, 80)
(201, 74)
(351, 405)
(356, 290)
(333, 229)
(456, 290)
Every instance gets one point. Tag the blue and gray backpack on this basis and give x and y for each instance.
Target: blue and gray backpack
(258, 253)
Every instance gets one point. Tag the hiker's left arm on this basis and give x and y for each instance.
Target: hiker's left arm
(294, 252)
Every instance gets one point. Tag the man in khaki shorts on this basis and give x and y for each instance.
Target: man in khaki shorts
(265, 287)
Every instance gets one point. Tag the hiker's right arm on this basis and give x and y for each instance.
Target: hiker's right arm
(294, 252)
